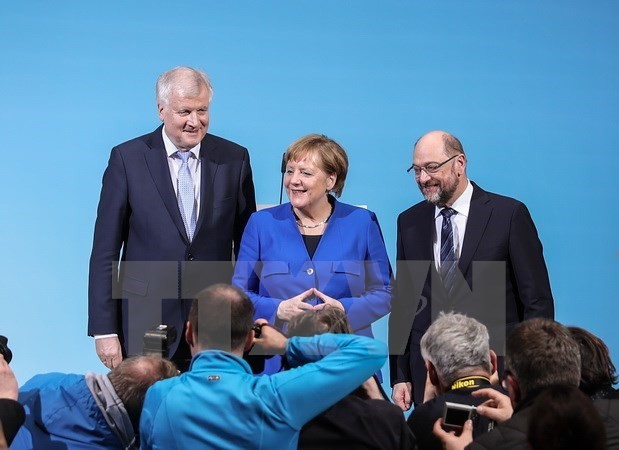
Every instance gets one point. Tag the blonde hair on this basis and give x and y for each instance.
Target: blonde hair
(329, 156)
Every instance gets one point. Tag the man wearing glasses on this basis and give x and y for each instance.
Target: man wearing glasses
(462, 249)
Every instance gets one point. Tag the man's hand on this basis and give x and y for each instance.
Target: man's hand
(498, 407)
(327, 301)
(287, 309)
(8, 382)
(449, 439)
(401, 395)
(371, 388)
(109, 352)
(271, 340)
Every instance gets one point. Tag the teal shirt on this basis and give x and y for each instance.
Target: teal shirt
(220, 404)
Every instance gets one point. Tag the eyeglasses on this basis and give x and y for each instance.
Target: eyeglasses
(428, 168)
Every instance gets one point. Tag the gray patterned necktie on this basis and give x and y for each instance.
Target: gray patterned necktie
(185, 194)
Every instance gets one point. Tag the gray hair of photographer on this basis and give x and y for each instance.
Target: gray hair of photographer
(332, 320)
(455, 344)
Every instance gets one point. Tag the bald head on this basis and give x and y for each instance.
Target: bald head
(439, 165)
(449, 144)
(132, 378)
(221, 318)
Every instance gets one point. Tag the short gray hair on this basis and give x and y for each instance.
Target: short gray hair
(184, 80)
(455, 345)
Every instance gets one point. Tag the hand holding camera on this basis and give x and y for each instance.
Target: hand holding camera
(8, 382)
(268, 340)
(498, 407)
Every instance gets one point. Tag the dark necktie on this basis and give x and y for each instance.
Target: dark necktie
(448, 252)
(185, 195)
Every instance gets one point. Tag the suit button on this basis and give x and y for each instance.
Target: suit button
(190, 257)
(310, 271)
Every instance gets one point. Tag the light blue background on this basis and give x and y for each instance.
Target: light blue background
(530, 87)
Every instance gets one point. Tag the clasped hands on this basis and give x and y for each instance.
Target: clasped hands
(287, 309)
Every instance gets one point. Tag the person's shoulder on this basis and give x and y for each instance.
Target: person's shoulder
(423, 207)
(277, 212)
(220, 148)
(52, 381)
(143, 141)
(424, 415)
(511, 434)
(164, 386)
(497, 199)
(608, 407)
(495, 439)
(380, 411)
(356, 212)
(162, 391)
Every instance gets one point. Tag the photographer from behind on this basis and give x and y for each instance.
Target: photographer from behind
(459, 361)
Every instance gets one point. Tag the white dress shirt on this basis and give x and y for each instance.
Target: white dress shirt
(462, 205)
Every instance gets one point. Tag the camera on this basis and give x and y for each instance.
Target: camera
(157, 341)
(5, 351)
(455, 414)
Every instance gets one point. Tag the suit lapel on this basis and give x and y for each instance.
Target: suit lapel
(479, 215)
(208, 171)
(157, 162)
(421, 235)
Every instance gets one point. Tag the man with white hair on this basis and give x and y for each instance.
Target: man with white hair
(174, 201)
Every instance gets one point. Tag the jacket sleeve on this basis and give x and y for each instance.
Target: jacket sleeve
(334, 365)
(247, 272)
(375, 302)
(110, 234)
(527, 259)
(246, 202)
(401, 318)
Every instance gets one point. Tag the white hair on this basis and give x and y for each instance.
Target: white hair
(456, 344)
(187, 81)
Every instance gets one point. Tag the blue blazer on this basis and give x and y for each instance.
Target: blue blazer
(350, 263)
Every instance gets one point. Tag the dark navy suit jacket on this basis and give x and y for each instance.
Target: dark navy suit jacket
(502, 278)
(138, 213)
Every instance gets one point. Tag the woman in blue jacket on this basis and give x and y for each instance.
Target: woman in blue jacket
(315, 251)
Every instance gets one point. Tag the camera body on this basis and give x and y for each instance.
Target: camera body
(5, 351)
(455, 414)
(157, 341)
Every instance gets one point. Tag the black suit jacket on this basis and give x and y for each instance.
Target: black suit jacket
(502, 278)
(355, 424)
(424, 416)
(138, 213)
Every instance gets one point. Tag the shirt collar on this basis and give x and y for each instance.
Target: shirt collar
(462, 205)
(170, 148)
